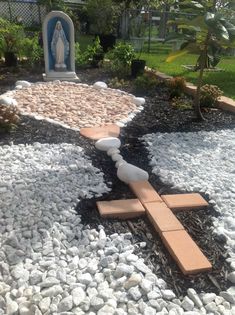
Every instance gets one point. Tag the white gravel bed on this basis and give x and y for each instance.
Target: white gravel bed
(74, 105)
(51, 264)
(200, 161)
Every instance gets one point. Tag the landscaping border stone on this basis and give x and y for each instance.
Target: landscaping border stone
(224, 102)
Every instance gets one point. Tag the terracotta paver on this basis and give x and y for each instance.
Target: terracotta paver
(185, 251)
(162, 217)
(226, 103)
(223, 102)
(144, 191)
(158, 74)
(190, 89)
(184, 201)
(120, 209)
(96, 133)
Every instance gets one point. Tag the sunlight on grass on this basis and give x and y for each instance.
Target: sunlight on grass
(156, 59)
(224, 79)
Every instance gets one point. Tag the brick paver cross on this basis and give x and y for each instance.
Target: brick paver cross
(159, 210)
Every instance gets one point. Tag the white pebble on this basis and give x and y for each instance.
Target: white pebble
(139, 101)
(23, 83)
(117, 157)
(6, 100)
(66, 304)
(100, 85)
(127, 172)
(108, 143)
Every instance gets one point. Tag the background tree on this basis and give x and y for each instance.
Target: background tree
(206, 31)
(60, 5)
(164, 6)
(135, 7)
(53, 4)
(137, 4)
(103, 16)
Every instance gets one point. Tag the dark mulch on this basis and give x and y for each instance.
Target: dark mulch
(158, 116)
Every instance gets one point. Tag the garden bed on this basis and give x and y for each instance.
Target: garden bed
(157, 116)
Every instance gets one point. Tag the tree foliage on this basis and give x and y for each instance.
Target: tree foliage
(53, 4)
(138, 4)
(11, 35)
(206, 32)
(103, 16)
(60, 5)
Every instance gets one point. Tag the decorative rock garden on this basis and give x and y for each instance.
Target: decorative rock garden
(58, 256)
(59, 101)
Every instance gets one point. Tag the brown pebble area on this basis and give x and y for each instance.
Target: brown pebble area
(75, 105)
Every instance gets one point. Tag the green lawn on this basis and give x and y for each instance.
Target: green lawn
(225, 80)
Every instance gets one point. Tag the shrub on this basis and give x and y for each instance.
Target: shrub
(80, 57)
(209, 95)
(177, 86)
(117, 83)
(9, 117)
(145, 84)
(11, 35)
(182, 103)
(103, 16)
(31, 49)
(92, 55)
(123, 53)
(120, 59)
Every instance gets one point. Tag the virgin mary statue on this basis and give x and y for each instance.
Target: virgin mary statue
(59, 47)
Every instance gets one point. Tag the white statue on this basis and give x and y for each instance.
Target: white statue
(59, 47)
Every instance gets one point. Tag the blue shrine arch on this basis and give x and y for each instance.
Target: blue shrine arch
(49, 24)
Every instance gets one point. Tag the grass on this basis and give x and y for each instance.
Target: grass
(225, 79)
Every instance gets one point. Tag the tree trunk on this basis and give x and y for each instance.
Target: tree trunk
(205, 61)
(197, 106)
(163, 22)
(124, 25)
(124, 20)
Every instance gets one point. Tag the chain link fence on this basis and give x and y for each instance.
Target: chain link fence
(28, 12)
(150, 28)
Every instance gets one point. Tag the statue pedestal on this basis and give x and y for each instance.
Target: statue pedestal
(61, 75)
